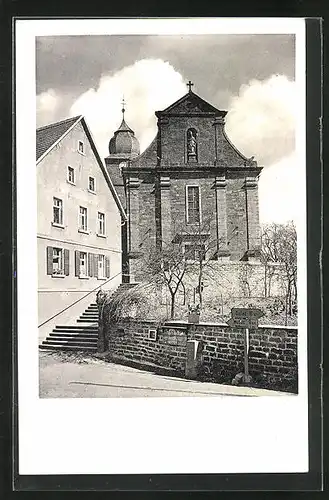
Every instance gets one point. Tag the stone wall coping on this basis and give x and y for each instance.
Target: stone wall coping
(185, 324)
(279, 327)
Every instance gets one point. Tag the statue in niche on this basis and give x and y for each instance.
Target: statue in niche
(191, 144)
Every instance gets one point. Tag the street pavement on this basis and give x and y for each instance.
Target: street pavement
(94, 378)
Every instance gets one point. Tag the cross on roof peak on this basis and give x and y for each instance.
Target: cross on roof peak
(190, 85)
(123, 102)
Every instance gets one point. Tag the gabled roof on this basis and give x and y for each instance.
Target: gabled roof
(47, 137)
(50, 135)
(191, 103)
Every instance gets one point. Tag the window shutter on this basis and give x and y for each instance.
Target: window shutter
(95, 265)
(66, 262)
(77, 263)
(90, 265)
(49, 260)
(107, 267)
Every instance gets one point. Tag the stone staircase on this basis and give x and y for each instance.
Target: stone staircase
(80, 337)
(84, 335)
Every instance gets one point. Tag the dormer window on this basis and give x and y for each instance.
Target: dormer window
(81, 147)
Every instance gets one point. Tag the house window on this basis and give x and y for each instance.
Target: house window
(70, 175)
(83, 224)
(57, 211)
(192, 204)
(81, 147)
(101, 224)
(91, 184)
(101, 267)
(58, 260)
(83, 268)
(194, 252)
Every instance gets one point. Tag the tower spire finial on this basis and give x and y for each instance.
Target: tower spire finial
(123, 102)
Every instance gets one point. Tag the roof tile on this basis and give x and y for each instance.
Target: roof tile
(48, 135)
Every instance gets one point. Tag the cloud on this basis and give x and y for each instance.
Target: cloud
(261, 119)
(261, 122)
(47, 105)
(147, 85)
(280, 188)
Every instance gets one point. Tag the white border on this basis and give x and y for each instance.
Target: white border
(151, 435)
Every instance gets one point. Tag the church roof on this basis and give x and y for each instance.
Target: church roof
(191, 104)
(149, 157)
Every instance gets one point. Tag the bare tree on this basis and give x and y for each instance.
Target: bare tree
(279, 245)
(165, 266)
(200, 250)
(184, 259)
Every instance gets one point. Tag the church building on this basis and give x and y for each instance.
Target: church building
(190, 180)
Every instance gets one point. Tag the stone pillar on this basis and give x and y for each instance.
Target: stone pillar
(252, 217)
(193, 359)
(166, 234)
(221, 218)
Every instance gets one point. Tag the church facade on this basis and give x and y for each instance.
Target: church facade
(190, 185)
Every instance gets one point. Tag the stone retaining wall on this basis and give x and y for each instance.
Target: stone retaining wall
(272, 351)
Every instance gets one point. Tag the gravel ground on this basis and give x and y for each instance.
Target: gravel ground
(78, 375)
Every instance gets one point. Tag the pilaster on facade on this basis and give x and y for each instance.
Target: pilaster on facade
(220, 182)
(165, 208)
(221, 217)
(133, 183)
(251, 182)
(218, 126)
(252, 217)
(164, 182)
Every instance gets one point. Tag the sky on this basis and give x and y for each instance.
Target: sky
(250, 76)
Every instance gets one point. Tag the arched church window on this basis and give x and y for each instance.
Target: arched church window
(192, 145)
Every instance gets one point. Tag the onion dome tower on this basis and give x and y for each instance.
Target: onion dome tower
(123, 146)
(124, 142)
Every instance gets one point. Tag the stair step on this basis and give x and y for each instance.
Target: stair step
(89, 315)
(68, 336)
(86, 320)
(80, 343)
(73, 334)
(76, 329)
(60, 347)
